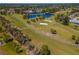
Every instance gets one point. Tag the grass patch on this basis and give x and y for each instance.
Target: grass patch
(55, 46)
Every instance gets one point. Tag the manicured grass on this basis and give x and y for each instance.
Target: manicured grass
(8, 49)
(38, 39)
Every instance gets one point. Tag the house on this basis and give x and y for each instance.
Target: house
(10, 11)
(2, 11)
(75, 21)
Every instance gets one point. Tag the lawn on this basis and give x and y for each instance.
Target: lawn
(38, 39)
(8, 49)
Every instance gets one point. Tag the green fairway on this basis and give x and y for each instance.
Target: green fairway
(39, 39)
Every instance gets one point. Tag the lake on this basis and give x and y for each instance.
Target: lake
(34, 15)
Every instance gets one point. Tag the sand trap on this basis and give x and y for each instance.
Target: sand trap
(43, 23)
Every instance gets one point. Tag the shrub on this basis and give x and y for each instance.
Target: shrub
(28, 22)
(44, 50)
(77, 41)
(73, 37)
(53, 31)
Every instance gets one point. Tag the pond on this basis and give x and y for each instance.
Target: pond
(34, 15)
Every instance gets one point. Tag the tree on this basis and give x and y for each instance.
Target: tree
(53, 31)
(24, 17)
(20, 50)
(57, 17)
(18, 10)
(75, 27)
(31, 46)
(66, 20)
(62, 18)
(73, 37)
(6, 36)
(28, 21)
(44, 50)
(7, 40)
(43, 11)
(40, 17)
(1, 29)
(33, 20)
(77, 41)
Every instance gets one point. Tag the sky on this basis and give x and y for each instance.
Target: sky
(39, 1)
